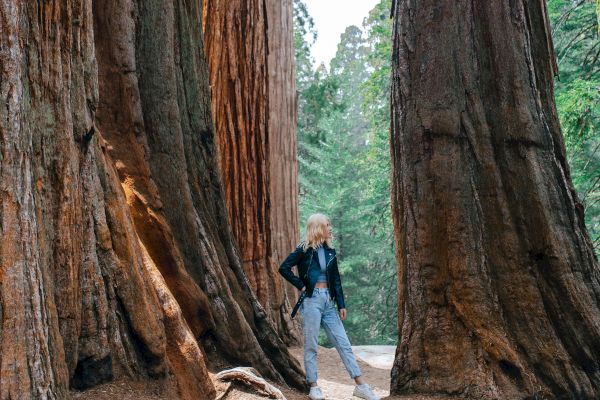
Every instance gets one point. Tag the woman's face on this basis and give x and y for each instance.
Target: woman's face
(328, 229)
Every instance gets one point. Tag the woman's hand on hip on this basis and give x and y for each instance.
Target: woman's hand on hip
(343, 314)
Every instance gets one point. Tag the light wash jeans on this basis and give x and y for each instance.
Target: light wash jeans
(320, 309)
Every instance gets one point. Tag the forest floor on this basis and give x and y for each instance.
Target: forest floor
(334, 379)
(374, 361)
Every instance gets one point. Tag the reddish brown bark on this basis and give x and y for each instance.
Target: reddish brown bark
(81, 300)
(283, 172)
(499, 288)
(254, 111)
(117, 258)
(236, 49)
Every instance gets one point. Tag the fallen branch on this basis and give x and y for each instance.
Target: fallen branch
(250, 376)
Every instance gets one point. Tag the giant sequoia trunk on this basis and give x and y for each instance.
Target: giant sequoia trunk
(249, 46)
(499, 288)
(116, 255)
(283, 160)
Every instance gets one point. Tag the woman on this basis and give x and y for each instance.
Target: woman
(321, 286)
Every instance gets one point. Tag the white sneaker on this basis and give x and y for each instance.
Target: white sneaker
(316, 393)
(364, 391)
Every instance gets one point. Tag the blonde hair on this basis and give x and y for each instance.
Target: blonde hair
(316, 232)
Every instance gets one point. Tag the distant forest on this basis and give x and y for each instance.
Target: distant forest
(344, 155)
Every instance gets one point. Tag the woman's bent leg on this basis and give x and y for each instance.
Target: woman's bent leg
(337, 335)
(311, 315)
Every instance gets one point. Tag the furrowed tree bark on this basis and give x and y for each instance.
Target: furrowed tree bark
(236, 49)
(253, 103)
(81, 301)
(121, 56)
(499, 288)
(117, 259)
(283, 159)
(186, 173)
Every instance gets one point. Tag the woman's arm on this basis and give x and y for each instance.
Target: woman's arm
(285, 269)
(337, 285)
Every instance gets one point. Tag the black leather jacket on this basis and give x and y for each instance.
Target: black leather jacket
(309, 271)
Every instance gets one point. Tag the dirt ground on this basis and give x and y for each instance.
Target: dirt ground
(337, 384)
(125, 390)
(333, 379)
